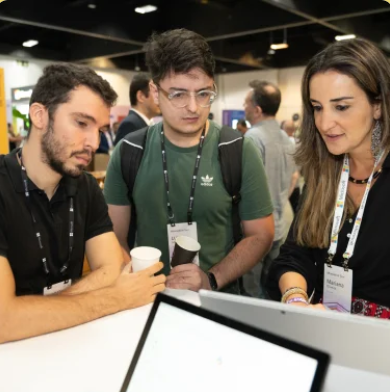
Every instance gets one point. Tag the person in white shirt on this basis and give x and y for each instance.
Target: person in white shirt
(289, 127)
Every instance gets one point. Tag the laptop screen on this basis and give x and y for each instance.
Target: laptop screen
(184, 351)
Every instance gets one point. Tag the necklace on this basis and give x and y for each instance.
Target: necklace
(362, 182)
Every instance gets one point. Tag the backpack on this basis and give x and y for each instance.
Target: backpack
(230, 157)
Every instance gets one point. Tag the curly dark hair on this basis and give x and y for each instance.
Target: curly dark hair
(178, 51)
(58, 80)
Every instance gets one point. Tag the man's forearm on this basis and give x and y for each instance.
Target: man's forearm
(29, 316)
(101, 277)
(242, 258)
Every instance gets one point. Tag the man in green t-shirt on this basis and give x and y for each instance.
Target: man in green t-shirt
(182, 68)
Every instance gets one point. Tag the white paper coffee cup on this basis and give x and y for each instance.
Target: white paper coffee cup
(143, 257)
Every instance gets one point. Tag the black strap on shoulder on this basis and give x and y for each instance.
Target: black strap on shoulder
(132, 151)
(230, 157)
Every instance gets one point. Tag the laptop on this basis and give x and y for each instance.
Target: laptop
(352, 341)
(187, 348)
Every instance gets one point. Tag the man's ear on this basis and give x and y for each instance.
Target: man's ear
(39, 116)
(140, 96)
(259, 111)
(154, 91)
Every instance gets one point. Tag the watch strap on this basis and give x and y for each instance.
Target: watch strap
(212, 281)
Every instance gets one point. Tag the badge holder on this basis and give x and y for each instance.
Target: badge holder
(57, 288)
(337, 286)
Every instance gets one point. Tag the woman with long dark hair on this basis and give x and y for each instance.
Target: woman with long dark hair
(339, 245)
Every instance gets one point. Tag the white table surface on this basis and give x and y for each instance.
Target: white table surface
(95, 357)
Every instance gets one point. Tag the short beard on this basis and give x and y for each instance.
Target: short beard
(51, 153)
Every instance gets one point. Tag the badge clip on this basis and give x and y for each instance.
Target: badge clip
(329, 261)
(345, 264)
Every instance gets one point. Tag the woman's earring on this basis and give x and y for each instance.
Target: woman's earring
(376, 139)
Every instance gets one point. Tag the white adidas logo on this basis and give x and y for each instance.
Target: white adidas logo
(207, 181)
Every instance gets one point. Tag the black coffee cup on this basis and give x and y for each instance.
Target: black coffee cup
(185, 251)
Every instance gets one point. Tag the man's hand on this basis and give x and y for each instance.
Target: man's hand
(139, 288)
(188, 277)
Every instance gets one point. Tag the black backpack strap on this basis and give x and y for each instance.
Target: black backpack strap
(230, 157)
(131, 151)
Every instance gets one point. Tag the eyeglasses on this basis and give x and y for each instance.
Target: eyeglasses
(181, 99)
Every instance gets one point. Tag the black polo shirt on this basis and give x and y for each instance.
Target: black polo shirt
(18, 242)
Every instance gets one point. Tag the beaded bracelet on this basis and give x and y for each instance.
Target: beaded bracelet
(294, 290)
(296, 299)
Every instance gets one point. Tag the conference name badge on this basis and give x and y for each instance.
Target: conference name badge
(57, 288)
(337, 288)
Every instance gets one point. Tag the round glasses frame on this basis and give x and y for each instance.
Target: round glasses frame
(181, 99)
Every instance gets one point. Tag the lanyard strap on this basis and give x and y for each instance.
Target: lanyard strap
(171, 215)
(339, 211)
(38, 235)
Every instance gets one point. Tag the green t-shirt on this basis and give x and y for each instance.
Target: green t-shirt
(212, 203)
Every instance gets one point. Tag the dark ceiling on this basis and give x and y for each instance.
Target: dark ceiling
(239, 32)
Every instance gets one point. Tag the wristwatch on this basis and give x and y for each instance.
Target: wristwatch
(212, 281)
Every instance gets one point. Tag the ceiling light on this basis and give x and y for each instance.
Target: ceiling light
(280, 45)
(146, 9)
(344, 37)
(92, 6)
(271, 51)
(283, 45)
(30, 43)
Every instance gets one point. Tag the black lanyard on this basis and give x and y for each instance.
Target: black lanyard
(64, 268)
(171, 215)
